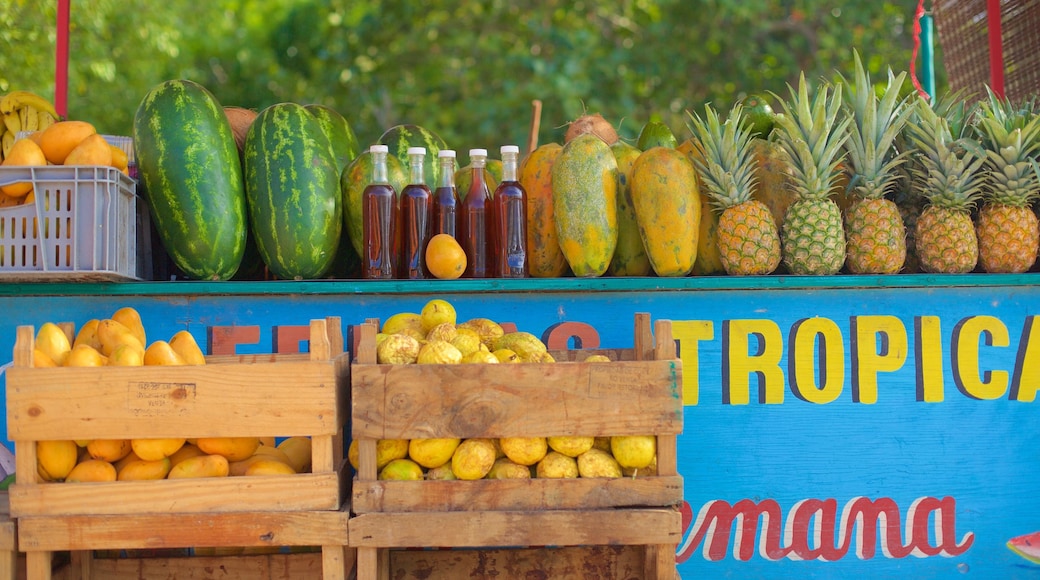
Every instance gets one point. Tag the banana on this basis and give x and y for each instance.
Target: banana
(30, 118)
(8, 142)
(18, 99)
(12, 122)
(44, 120)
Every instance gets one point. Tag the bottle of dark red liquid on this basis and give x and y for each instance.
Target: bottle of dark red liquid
(509, 219)
(474, 226)
(415, 219)
(446, 197)
(379, 221)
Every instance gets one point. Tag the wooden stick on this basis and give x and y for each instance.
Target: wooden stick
(536, 121)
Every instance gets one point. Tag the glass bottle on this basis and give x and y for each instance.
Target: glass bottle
(446, 196)
(509, 217)
(414, 219)
(473, 223)
(379, 221)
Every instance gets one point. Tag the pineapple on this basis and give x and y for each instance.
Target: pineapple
(748, 241)
(811, 134)
(876, 236)
(1007, 228)
(949, 177)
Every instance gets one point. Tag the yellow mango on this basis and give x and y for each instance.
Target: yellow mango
(92, 470)
(269, 452)
(183, 343)
(55, 459)
(58, 140)
(85, 356)
(53, 342)
(201, 466)
(298, 449)
(88, 335)
(153, 449)
(130, 318)
(112, 333)
(231, 448)
(122, 462)
(140, 470)
(269, 466)
(41, 360)
(159, 353)
(186, 451)
(110, 450)
(120, 160)
(126, 355)
(93, 150)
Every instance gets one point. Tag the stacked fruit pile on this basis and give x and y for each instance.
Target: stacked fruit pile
(433, 336)
(120, 341)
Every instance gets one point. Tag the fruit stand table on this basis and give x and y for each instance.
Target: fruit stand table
(881, 426)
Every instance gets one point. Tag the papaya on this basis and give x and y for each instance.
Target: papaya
(629, 256)
(545, 258)
(585, 182)
(668, 209)
(709, 259)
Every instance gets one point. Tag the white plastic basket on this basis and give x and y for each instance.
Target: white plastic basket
(82, 227)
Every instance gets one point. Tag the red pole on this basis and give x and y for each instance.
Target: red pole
(61, 64)
(996, 48)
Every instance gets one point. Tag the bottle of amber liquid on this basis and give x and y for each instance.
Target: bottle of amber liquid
(473, 234)
(509, 217)
(415, 219)
(446, 197)
(379, 221)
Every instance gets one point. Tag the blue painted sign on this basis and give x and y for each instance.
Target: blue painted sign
(829, 432)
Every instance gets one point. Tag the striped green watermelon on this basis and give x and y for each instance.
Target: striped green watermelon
(355, 178)
(292, 190)
(344, 144)
(400, 137)
(189, 168)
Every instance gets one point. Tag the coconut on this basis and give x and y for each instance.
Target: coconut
(240, 120)
(594, 124)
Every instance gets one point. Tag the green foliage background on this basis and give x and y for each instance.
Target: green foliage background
(466, 70)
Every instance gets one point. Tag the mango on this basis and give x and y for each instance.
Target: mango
(154, 449)
(269, 466)
(92, 470)
(186, 451)
(93, 150)
(126, 355)
(184, 344)
(58, 140)
(298, 450)
(23, 152)
(85, 356)
(88, 335)
(112, 333)
(41, 360)
(161, 354)
(201, 466)
(110, 450)
(122, 462)
(141, 470)
(55, 459)
(53, 342)
(130, 318)
(231, 448)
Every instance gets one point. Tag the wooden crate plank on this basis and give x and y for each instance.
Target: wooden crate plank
(569, 563)
(291, 398)
(514, 494)
(313, 491)
(158, 531)
(531, 399)
(263, 567)
(499, 529)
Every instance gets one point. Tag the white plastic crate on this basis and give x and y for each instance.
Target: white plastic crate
(82, 227)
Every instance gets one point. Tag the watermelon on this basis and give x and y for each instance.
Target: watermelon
(353, 181)
(344, 143)
(400, 137)
(190, 171)
(292, 189)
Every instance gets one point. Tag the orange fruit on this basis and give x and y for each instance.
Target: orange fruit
(445, 257)
(58, 140)
(92, 150)
(24, 152)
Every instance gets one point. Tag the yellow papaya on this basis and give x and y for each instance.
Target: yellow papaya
(709, 259)
(545, 258)
(584, 182)
(629, 256)
(668, 208)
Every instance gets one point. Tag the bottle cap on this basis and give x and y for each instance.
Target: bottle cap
(446, 153)
(417, 151)
(482, 152)
(378, 149)
(510, 149)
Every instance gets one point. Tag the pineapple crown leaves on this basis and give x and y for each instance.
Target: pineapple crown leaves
(876, 125)
(726, 164)
(1010, 139)
(812, 134)
(950, 172)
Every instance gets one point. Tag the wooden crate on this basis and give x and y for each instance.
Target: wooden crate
(275, 395)
(640, 393)
(8, 541)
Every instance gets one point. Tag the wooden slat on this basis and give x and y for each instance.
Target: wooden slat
(599, 562)
(291, 398)
(315, 491)
(526, 400)
(156, 531)
(264, 567)
(515, 494)
(497, 529)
